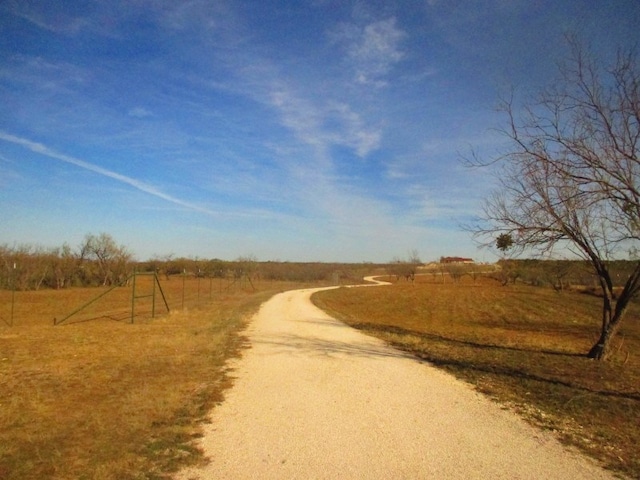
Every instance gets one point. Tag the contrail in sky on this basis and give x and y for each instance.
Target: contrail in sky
(137, 184)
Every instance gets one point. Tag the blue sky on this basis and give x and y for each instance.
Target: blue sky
(316, 130)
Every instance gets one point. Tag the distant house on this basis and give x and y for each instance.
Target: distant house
(456, 260)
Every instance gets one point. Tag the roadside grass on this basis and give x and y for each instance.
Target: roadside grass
(101, 398)
(523, 346)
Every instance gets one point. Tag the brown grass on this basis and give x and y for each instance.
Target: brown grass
(523, 346)
(100, 398)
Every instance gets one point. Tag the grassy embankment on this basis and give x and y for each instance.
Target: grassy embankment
(100, 398)
(523, 346)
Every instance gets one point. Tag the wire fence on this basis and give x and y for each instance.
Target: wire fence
(143, 296)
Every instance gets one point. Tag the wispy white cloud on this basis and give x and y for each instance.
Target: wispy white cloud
(139, 112)
(352, 130)
(371, 50)
(313, 113)
(53, 19)
(323, 126)
(137, 184)
(203, 16)
(428, 203)
(319, 119)
(42, 75)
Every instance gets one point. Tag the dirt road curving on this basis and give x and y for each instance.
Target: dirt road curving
(315, 399)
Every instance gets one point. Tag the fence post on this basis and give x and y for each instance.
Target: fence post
(164, 299)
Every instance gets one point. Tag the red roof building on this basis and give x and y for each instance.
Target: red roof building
(456, 260)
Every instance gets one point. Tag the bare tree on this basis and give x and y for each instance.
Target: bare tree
(405, 268)
(571, 177)
(455, 270)
(64, 266)
(112, 260)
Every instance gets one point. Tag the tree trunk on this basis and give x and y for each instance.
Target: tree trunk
(611, 322)
(601, 350)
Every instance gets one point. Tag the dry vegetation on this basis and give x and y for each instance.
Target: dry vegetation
(524, 346)
(100, 398)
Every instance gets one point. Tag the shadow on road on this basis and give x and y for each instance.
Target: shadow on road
(288, 343)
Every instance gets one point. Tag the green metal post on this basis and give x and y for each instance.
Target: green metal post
(164, 299)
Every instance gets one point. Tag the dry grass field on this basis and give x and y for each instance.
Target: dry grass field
(524, 346)
(98, 397)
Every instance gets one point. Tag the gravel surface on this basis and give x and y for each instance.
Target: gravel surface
(316, 399)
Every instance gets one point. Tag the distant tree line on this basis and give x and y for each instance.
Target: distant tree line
(561, 274)
(100, 261)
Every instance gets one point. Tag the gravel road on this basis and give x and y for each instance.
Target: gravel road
(315, 399)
